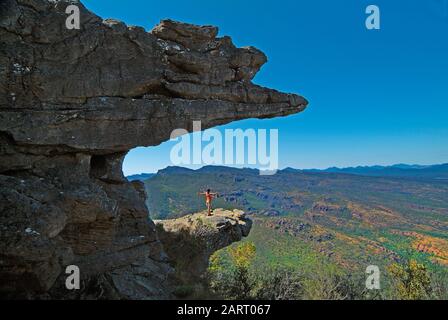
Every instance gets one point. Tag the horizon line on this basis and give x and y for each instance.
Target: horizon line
(289, 167)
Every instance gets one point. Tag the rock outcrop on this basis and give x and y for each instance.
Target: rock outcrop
(72, 103)
(189, 241)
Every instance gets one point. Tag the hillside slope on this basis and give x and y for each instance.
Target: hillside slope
(354, 220)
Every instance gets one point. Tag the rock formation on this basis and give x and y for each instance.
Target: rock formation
(191, 240)
(72, 103)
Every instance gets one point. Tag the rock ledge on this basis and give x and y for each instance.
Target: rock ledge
(189, 241)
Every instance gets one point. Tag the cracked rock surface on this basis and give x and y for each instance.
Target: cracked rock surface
(194, 238)
(72, 103)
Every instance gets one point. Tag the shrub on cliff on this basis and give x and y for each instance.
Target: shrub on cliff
(233, 281)
(411, 281)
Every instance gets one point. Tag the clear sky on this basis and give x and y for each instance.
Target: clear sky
(376, 97)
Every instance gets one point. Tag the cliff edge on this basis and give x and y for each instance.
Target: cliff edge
(189, 241)
(72, 104)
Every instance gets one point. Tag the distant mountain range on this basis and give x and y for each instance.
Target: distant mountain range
(437, 172)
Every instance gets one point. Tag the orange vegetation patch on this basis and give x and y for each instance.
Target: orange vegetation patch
(435, 246)
(376, 216)
(346, 238)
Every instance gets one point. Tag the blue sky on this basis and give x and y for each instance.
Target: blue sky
(376, 97)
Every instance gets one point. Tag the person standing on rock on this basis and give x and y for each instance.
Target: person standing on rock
(208, 200)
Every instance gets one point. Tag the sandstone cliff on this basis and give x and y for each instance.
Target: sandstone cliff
(189, 241)
(72, 103)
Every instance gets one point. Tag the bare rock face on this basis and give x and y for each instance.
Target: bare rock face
(189, 241)
(72, 103)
